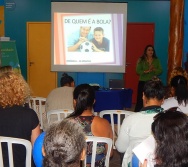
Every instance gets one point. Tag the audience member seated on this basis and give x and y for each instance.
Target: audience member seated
(61, 98)
(16, 120)
(179, 92)
(176, 71)
(64, 145)
(137, 127)
(170, 130)
(84, 98)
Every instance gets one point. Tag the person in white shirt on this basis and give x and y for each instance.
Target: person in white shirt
(179, 92)
(137, 127)
(60, 98)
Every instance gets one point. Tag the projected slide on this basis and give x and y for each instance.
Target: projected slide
(88, 39)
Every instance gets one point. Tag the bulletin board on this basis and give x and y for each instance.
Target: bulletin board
(8, 55)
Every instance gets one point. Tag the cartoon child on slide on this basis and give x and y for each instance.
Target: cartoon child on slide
(78, 37)
(100, 43)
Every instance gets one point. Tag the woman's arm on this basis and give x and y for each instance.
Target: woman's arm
(122, 141)
(140, 68)
(34, 134)
(102, 128)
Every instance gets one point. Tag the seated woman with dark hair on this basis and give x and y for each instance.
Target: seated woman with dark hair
(64, 145)
(175, 72)
(170, 130)
(61, 98)
(179, 91)
(84, 98)
(137, 127)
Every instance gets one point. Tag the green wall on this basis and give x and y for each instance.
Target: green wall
(39, 10)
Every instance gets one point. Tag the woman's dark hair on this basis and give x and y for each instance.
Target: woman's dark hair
(66, 80)
(179, 83)
(154, 89)
(143, 57)
(63, 144)
(84, 95)
(170, 130)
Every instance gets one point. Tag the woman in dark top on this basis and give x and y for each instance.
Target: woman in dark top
(84, 98)
(16, 120)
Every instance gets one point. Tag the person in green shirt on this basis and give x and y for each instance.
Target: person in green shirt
(148, 65)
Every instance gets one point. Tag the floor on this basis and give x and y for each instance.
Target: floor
(116, 160)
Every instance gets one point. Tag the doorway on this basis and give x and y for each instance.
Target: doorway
(138, 36)
(40, 77)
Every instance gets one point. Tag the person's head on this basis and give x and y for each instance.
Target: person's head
(179, 88)
(6, 69)
(64, 145)
(13, 89)
(170, 130)
(98, 34)
(178, 71)
(83, 99)
(67, 80)
(84, 31)
(149, 51)
(153, 91)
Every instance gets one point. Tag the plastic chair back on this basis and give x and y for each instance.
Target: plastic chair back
(96, 140)
(10, 141)
(38, 105)
(120, 115)
(58, 115)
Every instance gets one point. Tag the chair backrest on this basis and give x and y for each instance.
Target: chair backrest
(10, 141)
(96, 140)
(58, 115)
(116, 119)
(38, 105)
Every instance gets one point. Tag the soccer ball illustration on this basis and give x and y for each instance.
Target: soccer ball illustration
(86, 47)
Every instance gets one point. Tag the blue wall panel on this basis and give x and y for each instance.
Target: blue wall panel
(1, 2)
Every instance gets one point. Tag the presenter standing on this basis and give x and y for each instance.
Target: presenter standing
(148, 65)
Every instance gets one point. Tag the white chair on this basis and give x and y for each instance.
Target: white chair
(38, 105)
(96, 140)
(58, 115)
(120, 114)
(10, 141)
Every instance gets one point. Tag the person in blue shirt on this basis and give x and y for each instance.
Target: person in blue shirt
(100, 43)
(78, 37)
